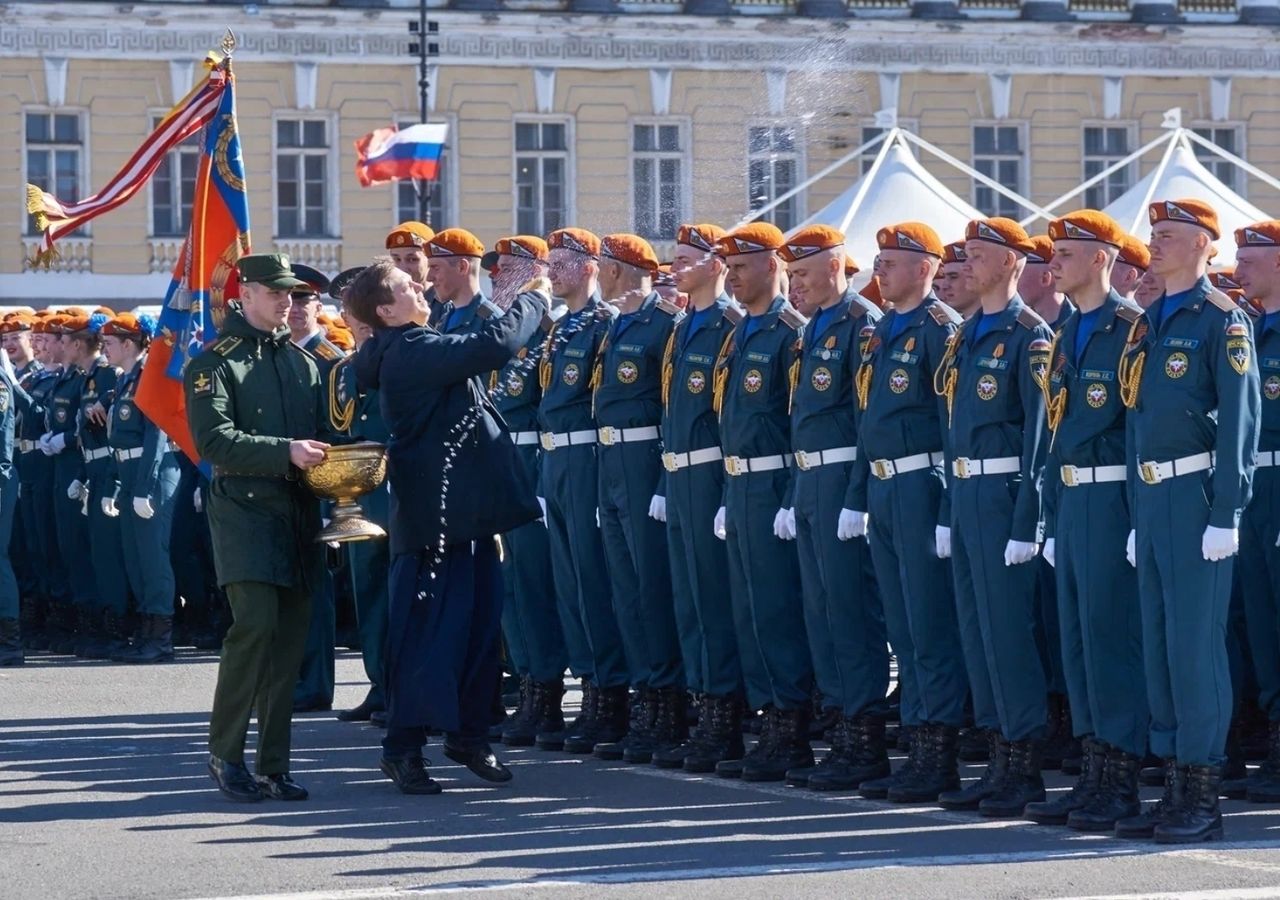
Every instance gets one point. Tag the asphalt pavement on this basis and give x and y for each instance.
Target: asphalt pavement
(104, 794)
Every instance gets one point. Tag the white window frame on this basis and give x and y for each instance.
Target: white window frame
(1241, 186)
(801, 158)
(449, 182)
(194, 150)
(1131, 128)
(1024, 168)
(570, 157)
(333, 196)
(685, 157)
(84, 231)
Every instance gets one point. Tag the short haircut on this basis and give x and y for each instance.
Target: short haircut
(369, 290)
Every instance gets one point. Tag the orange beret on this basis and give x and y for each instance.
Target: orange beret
(1040, 249)
(1133, 252)
(631, 250)
(915, 236)
(1259, 234)
(125, 325)
(811, 240)
(525, 245)
(70, 324)
(954, 253)
(16, 322)
(409, 234)
(871, 290)
(1088, 225)
(577, 239)
(754, 237)
(104, 311)
(1225, 280)
(1001, 231)
(850, 266)
(1190, 211)
(700, 237)
(340, 338)
(454, 242)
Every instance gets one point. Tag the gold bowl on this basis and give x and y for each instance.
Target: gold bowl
(348, 472)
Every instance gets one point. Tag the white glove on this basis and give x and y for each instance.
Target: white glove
(1048, 551)
(597, 517)
(197, 500)
(942, 541)
(851, 525)
(1278, 540)
(1131, 548)
(718, 526)
(43, 444)
(58, 442)
(84, 503)
(658, 508)
(142, 507)
(780, 526)
(109, 508)
(76, 490)
(542, 503)
(1018, 552)
(1219, 543)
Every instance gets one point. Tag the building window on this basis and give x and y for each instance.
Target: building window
(998, 154)
(773, 169)
(1104, 146)
(871, 132)
(54, 144)
(303, 154)
(407, 208)
(657, 179)
(542, 168)
(173, 187)
(1229, 138)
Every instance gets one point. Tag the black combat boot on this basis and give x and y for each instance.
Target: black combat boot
(583, 723)
(1151, 772)
(31, 617)
(878, 788)
(721, 736)
(10, 644)
(1264, 786)
(156, 644)
(116, 638)
(92, 634)
(1022, 784)
(863, 756)
(519, 725)
(546, 715)
(1117, 798)
(638, 735)
(969, 796)
(1143, 825)
(669, 728)
(612, 719)
(1197, 818)
(62, 627)
(937, 770)
(673, 756)
(1081, 794)
(788, 748)
(974, 744)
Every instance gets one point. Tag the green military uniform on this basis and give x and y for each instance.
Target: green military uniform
(248, 396)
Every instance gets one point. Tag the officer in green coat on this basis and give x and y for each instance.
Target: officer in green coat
(254, 404)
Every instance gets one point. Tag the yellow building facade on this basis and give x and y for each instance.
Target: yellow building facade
(630, 120)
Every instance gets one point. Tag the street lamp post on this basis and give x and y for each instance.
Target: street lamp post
(424, 48)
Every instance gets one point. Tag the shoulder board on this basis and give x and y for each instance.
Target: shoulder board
(225, 346)
(328, 351)
(1128, 312)
(733, 315)
(488, 309)
(303, 350)
(668, 307)
(1029, 319)
(943, 314)
(791, 318)
(1222, 301)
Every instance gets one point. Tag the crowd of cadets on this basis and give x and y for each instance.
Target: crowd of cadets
(1025, 466)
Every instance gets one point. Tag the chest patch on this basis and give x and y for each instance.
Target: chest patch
(903, 356)
(1098, 375)
(1271, 387)
(753, 356)
(628, 372)
(1178, 343)
(1096, 395)
(637, 349)
(988, 387)
(752, 381)
(515, 385)
(126, 411)
(699, 359)
(899, 380)
(1176, 365)
(60, 414)
(571, 374)
(697, 381)
(992, 362)
(821, 378)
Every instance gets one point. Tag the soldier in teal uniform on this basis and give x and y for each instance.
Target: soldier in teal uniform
(1190, 380)
(898, 480)
(1258, 274)
(990, 377)
(146, 473)
(569, 486)
(15, 335)
(842, 611)
(627, 398)
(694, 490)
(38, 499)
(10, 635)
(530, 622)
(752, 392)
(1087, 522)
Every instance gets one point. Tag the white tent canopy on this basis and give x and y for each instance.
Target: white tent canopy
(1180, 175)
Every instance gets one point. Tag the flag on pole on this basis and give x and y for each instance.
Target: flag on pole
(388, 154)
(193, 112)
(205, 277)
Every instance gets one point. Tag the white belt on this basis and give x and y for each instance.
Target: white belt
(522, 438)
(1074, 476)
(963, 467)
(884, 469)
(26, 446)
(674, 462)
(806, 459)
(555, 441)
(1153, 472)
(740, 465)
(100, 453)
(1266, 459)
(131, 453)
(609, 435)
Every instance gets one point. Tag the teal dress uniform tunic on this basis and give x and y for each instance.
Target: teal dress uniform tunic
(38, 498)
(24, 549)
(61, 417)
(8, 495)
(1087, 514)
(992, 380)
(842, 611)
(694, 492)
(898, 480)
(753, 390)
(1190, 376)
(105, 544)
(628, 413)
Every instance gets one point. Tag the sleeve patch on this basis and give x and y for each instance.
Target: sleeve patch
(202, 383)
(1237, 329)
(1039, 345)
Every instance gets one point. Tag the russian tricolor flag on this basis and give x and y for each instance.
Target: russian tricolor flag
(390, 155)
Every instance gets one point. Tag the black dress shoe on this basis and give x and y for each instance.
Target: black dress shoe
(410, 775)
(313, 704)
(361, 713)
(481, 761)
(234, 781)
(280, 787)
(378, 718)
